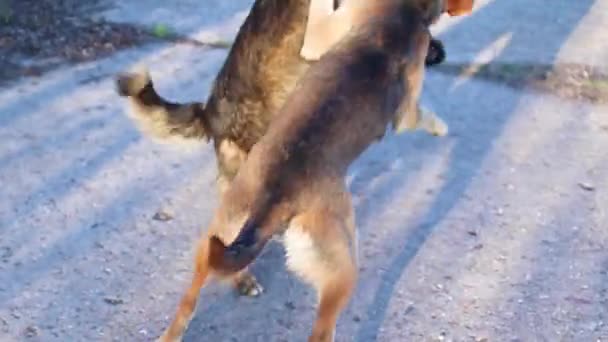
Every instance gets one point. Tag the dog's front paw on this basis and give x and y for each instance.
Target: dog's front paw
(248, 286)
(433, 124)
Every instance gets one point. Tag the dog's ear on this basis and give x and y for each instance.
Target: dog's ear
(432, 9)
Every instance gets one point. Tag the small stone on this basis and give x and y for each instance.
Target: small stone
(356, 318)
(6, 253)
(586, 186)
(113, 300)
(15, 314)
(409, 309)
(4, 324)
(162, 216)
(290, 305)
(30, 332)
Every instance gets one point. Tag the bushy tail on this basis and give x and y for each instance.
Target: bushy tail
(158, 117)
(240, 253)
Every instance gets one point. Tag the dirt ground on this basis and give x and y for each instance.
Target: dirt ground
(497, 232)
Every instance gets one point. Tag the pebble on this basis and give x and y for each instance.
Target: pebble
(113, 300)
(162, 216)
(586, 186)
(30, 331)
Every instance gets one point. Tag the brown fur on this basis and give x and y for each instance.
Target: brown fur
(293, 180)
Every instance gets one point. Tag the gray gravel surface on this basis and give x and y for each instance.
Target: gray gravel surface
(497, 232)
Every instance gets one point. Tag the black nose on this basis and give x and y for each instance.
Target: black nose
(436, 53)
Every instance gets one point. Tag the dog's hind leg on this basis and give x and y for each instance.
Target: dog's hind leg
(189, 300)
(333, 295)
(321, 249)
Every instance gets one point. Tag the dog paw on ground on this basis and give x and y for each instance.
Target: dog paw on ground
(248, 286)
(433, 124)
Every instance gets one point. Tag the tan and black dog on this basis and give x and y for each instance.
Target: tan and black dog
(293, 181)
(262, 68)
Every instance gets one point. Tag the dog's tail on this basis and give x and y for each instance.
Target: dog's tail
(241, 252)
(158, 117)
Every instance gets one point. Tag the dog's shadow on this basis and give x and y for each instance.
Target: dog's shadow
(477, 114)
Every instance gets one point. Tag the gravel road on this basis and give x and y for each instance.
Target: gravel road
(497, 232)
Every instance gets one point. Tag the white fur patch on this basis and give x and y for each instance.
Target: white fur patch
(432, 123)
(303, 256)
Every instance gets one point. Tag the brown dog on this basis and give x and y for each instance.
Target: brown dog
(293, 180)
(262, 68)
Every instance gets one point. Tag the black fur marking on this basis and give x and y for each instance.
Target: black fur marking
(436, 54)
(246, 239)
(148, 96)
